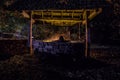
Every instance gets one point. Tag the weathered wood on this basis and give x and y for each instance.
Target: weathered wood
(64, 17)
(79, 30)
(30, 35)
(87, 34)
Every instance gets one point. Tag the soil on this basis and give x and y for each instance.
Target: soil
(27, 67)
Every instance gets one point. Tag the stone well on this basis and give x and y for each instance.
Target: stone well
(58, 47)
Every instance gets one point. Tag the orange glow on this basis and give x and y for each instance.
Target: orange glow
(56, 37)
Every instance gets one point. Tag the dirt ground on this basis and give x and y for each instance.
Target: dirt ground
(26, 67)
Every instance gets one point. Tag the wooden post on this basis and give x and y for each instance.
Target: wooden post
(79, 31)
(30, 35)
(87, 34)
(86, 40)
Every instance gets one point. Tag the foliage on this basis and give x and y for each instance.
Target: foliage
(11, 21)
(45, 31)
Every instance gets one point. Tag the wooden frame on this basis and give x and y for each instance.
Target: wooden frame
(64, 18)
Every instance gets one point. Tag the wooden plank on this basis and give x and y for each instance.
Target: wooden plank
(86, 35)
(30, 35)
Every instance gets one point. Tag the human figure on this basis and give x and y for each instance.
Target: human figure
(61, 39)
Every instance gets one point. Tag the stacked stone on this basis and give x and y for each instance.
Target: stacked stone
(53, 47)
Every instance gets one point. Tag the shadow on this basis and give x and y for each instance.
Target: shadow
(4, 56)
(71, 62)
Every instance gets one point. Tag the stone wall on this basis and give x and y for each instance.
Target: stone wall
(59, 47)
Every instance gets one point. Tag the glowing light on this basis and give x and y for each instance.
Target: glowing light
(56, 36)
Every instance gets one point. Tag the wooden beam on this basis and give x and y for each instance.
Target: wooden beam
(61, 22)
(59, 17)
(30, 35)
(79, 24)
(94, 13)
(87, 34)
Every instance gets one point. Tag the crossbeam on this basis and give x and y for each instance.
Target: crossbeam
(61, 22)
(64, 17)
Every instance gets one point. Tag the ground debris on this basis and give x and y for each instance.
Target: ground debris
(27, 67)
